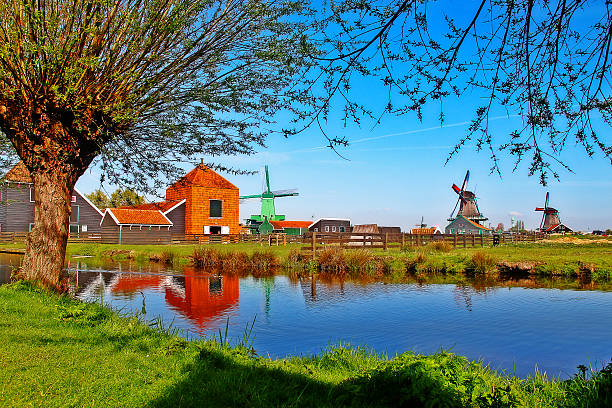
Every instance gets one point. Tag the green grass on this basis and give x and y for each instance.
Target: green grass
(59, 352)
(552, 258)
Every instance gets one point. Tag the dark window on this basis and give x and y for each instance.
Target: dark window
(73, 228)
(74, 215)
(341, 229)
(215, 208)
(31, 195)
(215, 229)
(215, 286)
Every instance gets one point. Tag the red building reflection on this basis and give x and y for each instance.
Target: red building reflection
(202, 298)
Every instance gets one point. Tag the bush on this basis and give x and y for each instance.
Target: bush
(481, 262)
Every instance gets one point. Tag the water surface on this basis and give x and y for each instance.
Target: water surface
(513, 328)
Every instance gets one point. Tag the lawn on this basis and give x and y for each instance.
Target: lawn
(59, 352)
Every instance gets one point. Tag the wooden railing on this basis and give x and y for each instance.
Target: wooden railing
(312, 241)
(317, 240)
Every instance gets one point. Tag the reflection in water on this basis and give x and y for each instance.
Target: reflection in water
(201, 298)
(513, 323)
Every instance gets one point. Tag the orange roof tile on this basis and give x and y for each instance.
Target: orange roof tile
(477, 224)
(143, 217)
(162, 206)
(290, 224)
(19, 174)
(203, 176)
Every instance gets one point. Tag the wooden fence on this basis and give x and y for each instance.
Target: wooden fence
(314, 240)
(317, 241)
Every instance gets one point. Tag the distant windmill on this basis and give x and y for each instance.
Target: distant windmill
(421, 225)
(550, 216)
(468, 207)
(268, 210)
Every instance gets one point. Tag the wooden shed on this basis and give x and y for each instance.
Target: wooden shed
(135, 226)
(330, 225)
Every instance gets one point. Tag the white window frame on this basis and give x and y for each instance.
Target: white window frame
(327, 228)
(84, 228)
(316, 230)
(333, 228)
(73, 199)
(31, 194)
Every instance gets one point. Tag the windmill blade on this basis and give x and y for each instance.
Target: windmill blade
(267, 179)
(288, 192)
(249, 198)
(456, 204)
(539, 209)
(465, 180)
(546, 202)
(457, 190)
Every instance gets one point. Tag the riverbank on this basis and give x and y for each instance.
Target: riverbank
(584, 258)
(58, 351)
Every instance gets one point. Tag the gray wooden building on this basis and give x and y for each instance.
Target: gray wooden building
(135, 226)
(330, 225)
(462, 225)
(17, 205)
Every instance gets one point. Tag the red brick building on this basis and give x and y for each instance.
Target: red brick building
(211, 202)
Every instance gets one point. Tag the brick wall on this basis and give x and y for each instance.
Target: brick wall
(197, 207)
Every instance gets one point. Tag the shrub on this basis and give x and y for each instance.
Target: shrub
(332, 259)
(481, 262)
(359, 260)
(439, 246)
(203, 257)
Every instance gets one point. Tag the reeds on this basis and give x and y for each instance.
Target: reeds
(258, 263)
(481, 262)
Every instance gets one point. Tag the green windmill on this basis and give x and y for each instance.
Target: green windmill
(259, 223)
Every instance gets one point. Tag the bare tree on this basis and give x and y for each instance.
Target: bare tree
(545, 62)
(138, 85)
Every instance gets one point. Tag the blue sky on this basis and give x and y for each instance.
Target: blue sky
(396, 172)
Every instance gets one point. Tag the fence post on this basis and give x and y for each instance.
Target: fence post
(403, 239)
(455, 241)
(386, 241)
(314, 244)
(473, 240)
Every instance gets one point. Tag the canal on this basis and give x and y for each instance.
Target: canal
(517, 326)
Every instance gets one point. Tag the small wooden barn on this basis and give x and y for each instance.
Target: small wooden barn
(174, 210)
(135, 226)
(330, 225)
(463, 225)
(290, 227)
(17, 205)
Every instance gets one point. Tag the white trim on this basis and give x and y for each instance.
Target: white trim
(330, 219)
(76, 190)
(175, 206)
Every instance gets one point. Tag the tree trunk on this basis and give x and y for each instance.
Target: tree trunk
(46, 243)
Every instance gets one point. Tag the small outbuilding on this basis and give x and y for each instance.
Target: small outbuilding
(290, 227)
(426, 231)
(330, 225)
(463, 225)
(135, 226)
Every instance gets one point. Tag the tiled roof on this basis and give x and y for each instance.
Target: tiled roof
(423, 231)
(142, 217)
(552, 227)
(366, 228)
(162, 206)
(290, 224)
(203, 176)
(18, 174)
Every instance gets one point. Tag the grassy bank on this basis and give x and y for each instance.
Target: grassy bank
(60, 352)
(583, 258)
